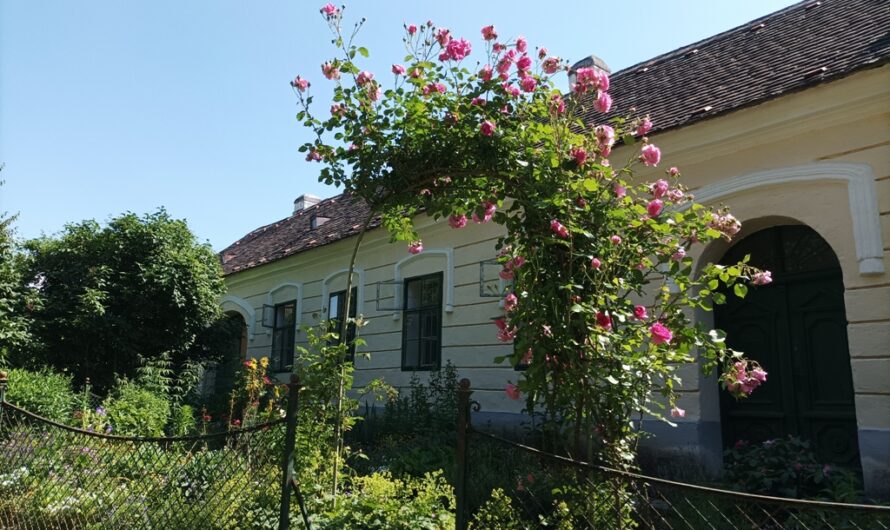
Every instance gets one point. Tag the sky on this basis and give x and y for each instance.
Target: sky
(109, 107)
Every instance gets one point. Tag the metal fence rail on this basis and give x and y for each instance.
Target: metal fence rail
(536, 489)
(57, 476)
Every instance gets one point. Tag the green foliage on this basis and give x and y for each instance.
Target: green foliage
(182, 422)
(43, 392)
(498, 513)
(138, 286)
(17, 300)
(136, 411)
(787, 467)
(380, 501)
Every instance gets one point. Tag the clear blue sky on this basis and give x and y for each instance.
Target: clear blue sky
(110, 106)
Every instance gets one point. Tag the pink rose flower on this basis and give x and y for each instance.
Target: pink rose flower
(620, 191)
(375, 93)
(512, 391)
(338, 109)
(313, 156)
(527, 358)
(521, 44)
(330, 10)
(557, 104)
(640, 312)
(616, 240)
(488, 33)
(605, 136)
(677, 412)
(762, 278)
(299, 83)
(488, 127)
(596, 263)
(650, 155)
(456, 50)
(604, 321)
(415, 73)
(364, 78)
(559, 229)
(488, 211)
(542, 53)
(443, 36)
(602, 80)
(580, 155)
(603, 102)
(412, 29)
(457, 221)
(415, 247)
(398, 69)
(673, 171)
(655, 207)
(759, 374)
(510, 302)
(644, 127)
(506, 274)
(528, 84)
(550, 65)
(660, 334)
(524, 63)
(659, 188)
(679, 254)
(330, 71)
(478, 101)
(486, 73)
(510, 89)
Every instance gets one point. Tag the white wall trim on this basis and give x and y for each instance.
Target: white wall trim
(359, 289)
(270, 300)
(449, 275)
(861, 191)
(243, 308)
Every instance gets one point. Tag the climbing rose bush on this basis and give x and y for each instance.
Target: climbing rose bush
(602, 288)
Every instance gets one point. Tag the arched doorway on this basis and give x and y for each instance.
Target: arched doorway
(233, 335)
(796, 328)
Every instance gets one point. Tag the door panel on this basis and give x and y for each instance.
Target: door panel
(796, 329)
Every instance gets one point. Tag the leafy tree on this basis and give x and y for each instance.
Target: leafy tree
(17, 300)
(115, 296)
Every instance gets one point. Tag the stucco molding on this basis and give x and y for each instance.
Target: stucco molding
(270, 300)
(863, 201)
(448, 254)
(243, 308)
(359, 289)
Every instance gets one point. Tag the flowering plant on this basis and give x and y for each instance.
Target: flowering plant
(586, 241)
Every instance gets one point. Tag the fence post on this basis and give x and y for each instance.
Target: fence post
(287, 464)
(3, 382)
(463, 424)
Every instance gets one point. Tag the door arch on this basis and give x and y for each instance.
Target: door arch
(796, 328)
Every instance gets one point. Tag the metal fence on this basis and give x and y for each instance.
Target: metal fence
(536, 489)
(60, 477)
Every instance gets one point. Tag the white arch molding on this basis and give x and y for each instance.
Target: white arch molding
(863, 200)
(270, 300)
(448, 253)
(240, 306)
(359, 289)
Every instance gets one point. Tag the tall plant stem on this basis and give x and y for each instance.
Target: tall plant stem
(344, 327)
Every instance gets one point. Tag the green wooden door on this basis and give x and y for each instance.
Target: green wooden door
(796, 328)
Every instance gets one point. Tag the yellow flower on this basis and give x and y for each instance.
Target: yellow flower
(264, 362)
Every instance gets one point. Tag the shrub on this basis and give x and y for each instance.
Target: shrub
(42, 392)
(786, 467)
(135, 411)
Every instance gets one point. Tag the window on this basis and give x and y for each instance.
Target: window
(336, 307)
(422, 323)
(283, 339)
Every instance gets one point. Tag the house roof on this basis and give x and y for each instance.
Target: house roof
(806, 44)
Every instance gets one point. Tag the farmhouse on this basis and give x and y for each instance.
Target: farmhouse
(787, 120)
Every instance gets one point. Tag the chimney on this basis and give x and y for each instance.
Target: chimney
(305, 201)
(588, 62)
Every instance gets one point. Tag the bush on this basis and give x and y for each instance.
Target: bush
(42, 392)
(786, 467)
(135, 411)
(381, 501)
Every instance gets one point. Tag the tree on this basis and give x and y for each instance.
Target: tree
(17, 300)
(602, 287)
(114, 296)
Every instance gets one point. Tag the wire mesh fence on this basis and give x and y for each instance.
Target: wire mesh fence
(534, 489)
(56, 476)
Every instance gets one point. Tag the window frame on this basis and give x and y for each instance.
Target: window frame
(279, 352)
(353, 311)
(422, 311)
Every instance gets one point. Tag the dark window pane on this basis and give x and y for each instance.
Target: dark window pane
(422, 323)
